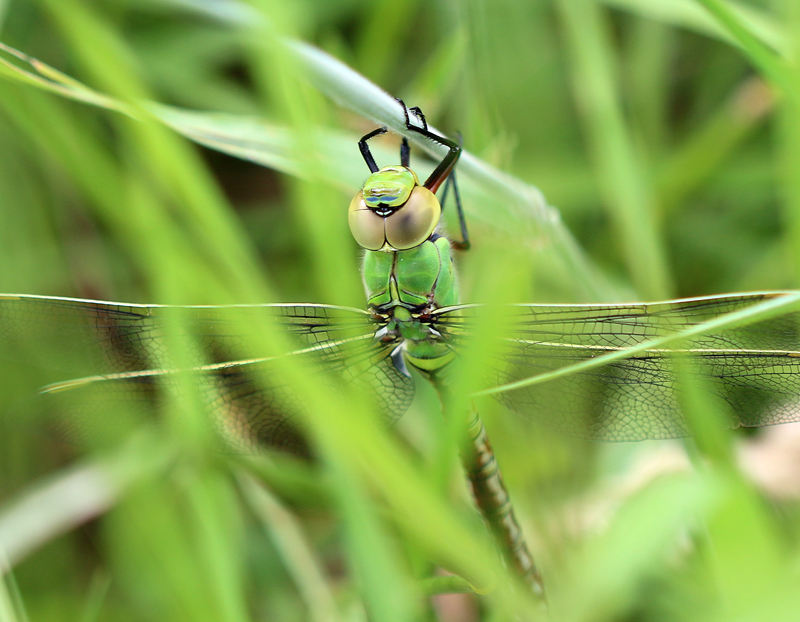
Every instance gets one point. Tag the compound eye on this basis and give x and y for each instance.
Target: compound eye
(365, 225)
(413, 223)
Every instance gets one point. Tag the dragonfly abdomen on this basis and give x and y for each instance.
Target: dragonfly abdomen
(494, 502)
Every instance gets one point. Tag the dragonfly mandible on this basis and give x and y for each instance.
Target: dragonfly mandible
(414, 320)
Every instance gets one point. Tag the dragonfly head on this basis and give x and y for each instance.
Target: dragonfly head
(393, 212)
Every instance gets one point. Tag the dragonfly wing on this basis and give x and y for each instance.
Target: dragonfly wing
(120, 353)
(254, 408)
(89, 337)
(754, 368)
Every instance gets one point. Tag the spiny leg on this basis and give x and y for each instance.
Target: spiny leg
(405, 149)
(420, 115)
(440, 173)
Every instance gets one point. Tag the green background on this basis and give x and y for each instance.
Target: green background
(666, 134)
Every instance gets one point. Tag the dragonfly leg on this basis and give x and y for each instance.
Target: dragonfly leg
(420, 115)
(464, 244)
(363, 147)
(444, 168)
(405, 153)
(493, 500)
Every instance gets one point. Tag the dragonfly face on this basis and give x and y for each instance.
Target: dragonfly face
(393, 212)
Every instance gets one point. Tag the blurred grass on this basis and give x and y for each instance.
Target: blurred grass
(667, 135)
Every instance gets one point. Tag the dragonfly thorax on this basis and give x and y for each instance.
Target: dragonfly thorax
(419, 279)
(393, 212)
(404, 288)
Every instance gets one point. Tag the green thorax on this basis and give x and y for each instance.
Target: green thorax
(420, 277)
(407, 285)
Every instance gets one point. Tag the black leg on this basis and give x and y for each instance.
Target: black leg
(445, 167)
(441, 172)
(464, 244)
(405, 153)
(417, 113)
(364, 148)
(444, 172)
(405, 110)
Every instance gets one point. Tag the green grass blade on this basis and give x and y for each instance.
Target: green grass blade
(74, 497)
(789, 149)
(295, 549)
(766, 60)
(690, 15)
(621, 175)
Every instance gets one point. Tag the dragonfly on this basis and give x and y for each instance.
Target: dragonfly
(414, 320)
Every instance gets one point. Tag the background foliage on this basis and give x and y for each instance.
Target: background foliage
(667, 135)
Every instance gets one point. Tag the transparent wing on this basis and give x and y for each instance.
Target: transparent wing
(754, 368)
(119, 352)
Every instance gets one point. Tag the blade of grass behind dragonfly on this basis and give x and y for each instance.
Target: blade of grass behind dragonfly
(304, 110)
(11, 606)
(649, 60)
(386, 22)
(789, 145)
(437, 80)
(690, 14)
(619, 169)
